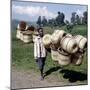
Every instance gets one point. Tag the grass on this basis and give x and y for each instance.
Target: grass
(77, 29)
(22, 54)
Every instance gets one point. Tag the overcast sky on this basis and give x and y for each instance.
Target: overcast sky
(29, 11)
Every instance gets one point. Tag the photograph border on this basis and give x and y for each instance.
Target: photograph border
(11, 44)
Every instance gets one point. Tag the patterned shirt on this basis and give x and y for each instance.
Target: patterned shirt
(39, 49)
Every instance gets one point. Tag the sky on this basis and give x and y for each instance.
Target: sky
(29, 11)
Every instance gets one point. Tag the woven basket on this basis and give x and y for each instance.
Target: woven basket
(18, 34)
(69, 44)
(57, 35)
(54, 55)
(77, 58)
(54, 46)
(27, 36)
(22, 25)
(64, 57)
(61, 57)
(31, 28)
(21, 36)
(81, 41)
(68, 35)
(47, 40)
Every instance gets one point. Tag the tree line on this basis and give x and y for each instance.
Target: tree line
(59, 20)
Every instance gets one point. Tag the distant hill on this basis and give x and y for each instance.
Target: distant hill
(14, 24)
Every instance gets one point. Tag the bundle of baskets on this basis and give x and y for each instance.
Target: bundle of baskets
(65, 48)
(24, 32)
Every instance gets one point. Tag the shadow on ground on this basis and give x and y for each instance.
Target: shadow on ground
(51, 70)
(71, 75)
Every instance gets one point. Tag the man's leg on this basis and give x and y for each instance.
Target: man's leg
(41, 63)
(42, 67)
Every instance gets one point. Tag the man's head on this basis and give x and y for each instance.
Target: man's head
(40, 31)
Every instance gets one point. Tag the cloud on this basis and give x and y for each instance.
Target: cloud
(33, 11)
(79, 12)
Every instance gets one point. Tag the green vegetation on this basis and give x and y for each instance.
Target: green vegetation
(77, 29)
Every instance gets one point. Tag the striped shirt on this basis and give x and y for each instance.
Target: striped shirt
(39, 49)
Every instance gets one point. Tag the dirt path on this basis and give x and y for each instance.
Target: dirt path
(29, 79)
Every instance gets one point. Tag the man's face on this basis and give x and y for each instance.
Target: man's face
(41, 32)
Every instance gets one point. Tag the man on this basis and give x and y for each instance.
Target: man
(39, 51)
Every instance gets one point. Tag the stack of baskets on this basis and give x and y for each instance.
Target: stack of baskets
(24, 32)
(65, 48)
(27, 36)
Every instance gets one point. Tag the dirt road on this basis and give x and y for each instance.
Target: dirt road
(31, 79)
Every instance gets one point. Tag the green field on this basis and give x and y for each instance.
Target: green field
(22, 55)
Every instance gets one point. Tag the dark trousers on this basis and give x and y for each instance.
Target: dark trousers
(41, 63)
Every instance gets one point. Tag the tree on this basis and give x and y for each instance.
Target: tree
(60, 19)
(52, 22)
(84, 19)
(39, 22)
(44, 21)
(78, 20)
(73, 18)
